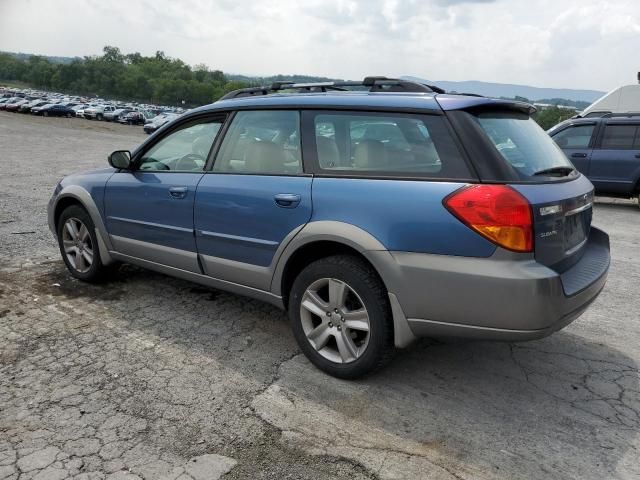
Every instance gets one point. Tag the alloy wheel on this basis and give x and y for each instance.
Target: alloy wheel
(77, 245)
(335, 320)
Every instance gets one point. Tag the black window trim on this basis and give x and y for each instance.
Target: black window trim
(217, 144)
(313, 165)
(181, 123)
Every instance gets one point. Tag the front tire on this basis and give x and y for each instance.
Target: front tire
(341, 317)
(79, 245)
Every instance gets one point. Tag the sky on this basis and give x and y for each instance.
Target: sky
(592, 44)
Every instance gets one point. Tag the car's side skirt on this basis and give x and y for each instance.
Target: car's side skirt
(202, 279)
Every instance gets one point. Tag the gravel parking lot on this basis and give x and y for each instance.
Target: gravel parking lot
(152, 377)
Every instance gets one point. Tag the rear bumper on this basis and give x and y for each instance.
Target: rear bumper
(503, 297)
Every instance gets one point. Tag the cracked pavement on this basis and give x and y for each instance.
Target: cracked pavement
(152, 377)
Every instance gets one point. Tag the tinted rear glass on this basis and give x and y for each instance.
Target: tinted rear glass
(380, 144)
(619, 137)
(522, 143)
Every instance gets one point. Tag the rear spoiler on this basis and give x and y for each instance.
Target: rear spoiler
(479, 104)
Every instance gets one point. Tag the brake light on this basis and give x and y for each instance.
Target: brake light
(497, 212)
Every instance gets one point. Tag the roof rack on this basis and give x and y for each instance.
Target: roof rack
(620, 115)
(373, 84)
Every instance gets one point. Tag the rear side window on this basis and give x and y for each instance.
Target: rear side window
(381, 144)
(522, 143)
(575, 137)
(263, 142)
(620, 137)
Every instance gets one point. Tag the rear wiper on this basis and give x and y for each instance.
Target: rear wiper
(560, 171)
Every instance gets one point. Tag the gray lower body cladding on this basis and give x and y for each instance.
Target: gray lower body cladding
(504, 297)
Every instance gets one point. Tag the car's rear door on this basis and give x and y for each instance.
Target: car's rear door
(149, 211)
(254, 198)
(615, 163)
(576, 141)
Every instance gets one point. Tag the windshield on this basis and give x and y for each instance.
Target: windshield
(522, 143)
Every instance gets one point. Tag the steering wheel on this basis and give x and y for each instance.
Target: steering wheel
(191, 161)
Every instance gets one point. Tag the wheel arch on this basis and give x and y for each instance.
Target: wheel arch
(321, 239)
(76, 195)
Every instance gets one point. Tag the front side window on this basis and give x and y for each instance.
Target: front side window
(183, 150)
(386, 144)
(619, 137)
(261, 142)
(574, 137)
(522, 143)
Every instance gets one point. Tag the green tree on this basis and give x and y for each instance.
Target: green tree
(131, 76)
(551, 116)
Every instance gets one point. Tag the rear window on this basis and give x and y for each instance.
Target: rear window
(380, 144)
(522, 143)
(620, 137)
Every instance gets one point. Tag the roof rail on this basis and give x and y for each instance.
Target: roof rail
(373, 84)
(620, 114)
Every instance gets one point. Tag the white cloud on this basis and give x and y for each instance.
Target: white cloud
(561, 43)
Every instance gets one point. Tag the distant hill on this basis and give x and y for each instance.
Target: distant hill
(561, 96)
(505, 90)
(278, 78)
(511, 91)
(25, 56)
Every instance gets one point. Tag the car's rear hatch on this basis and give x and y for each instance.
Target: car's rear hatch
(562, 220)
(506, 146)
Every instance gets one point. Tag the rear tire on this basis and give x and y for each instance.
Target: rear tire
(341, 317)
(78, 244)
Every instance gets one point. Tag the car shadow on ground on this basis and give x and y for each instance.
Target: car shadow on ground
(561, 406)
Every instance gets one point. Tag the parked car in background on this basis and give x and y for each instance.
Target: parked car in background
(97, 112)
(15, 106)
(431, 215)
(78, 108)
(54, 110)
(605, 149)
(38, 110)
(26, 107)
(115, 115)
(81, 108)
(9, 101)
(134, 118)
(158, 121)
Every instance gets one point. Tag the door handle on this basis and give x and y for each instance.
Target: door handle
(579, 155)
(287, 200)
(178, 192)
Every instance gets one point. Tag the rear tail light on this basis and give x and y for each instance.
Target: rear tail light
(497, 212)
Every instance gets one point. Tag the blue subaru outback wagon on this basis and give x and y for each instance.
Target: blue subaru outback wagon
(372, 216)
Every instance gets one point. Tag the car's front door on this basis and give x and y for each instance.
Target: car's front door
(254, 198)
(615, 165)
(576, 141)
(149, 211)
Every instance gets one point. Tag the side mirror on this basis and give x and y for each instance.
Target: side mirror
(120, 159)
